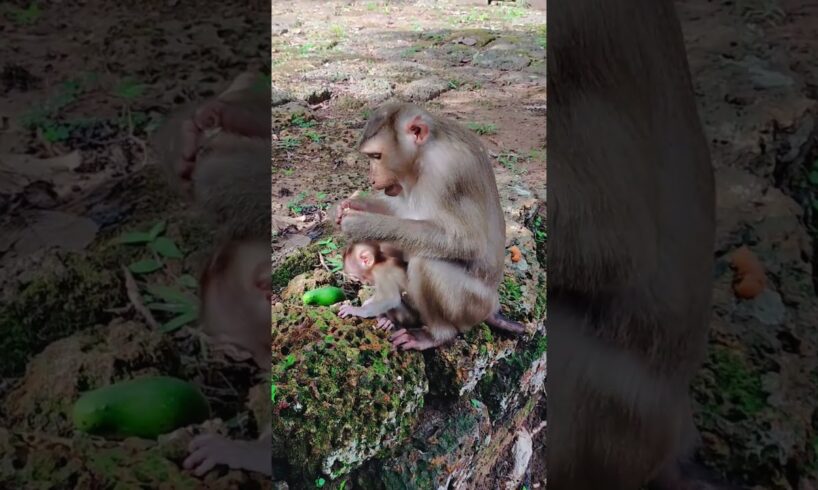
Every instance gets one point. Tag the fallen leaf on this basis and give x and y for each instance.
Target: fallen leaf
(516, 255)
(48, 229)
(41, 168)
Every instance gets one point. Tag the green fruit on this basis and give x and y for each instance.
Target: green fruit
(144, 407)
(328, 295)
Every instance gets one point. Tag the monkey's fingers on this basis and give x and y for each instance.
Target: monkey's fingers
(385, 323)
(200, 462)
(403, 339)
(200, 441)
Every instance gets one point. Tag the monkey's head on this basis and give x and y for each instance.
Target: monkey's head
(359, 259)
(392, 139)
(236, 291)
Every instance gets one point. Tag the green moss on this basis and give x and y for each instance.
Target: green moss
(540, 304)
(511, 298)
(339, 402)
(740, 386)
(505, 376)
(55, 305)
(299, 262)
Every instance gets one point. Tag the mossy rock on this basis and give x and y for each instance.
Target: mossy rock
(513, 378)
(85, 361)
(68, 297)
(455, 369)
(44, 461)
(340, 394)
(441, 452)
(301, 261)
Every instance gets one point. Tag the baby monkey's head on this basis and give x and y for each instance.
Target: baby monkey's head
(359, 259)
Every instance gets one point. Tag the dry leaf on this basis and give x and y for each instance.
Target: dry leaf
(48, 229)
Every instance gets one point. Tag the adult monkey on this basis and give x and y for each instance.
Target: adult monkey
(631, 214)
(442, 209)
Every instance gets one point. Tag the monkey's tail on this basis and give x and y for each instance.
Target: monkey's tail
(498, 321)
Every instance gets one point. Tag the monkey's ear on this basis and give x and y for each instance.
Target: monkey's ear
(419, 129)
(366, 258)
(262, 281)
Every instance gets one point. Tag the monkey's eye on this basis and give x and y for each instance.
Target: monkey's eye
(376, 156)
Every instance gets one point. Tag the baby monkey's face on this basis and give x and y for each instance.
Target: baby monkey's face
(358, 264)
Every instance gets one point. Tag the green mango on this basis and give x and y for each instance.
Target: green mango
(143, 407)
(328, 295)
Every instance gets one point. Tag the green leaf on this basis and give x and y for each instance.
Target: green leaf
(813, 177)
(343, 485)
(273, 390)
(145, 266)
(320, 482)
(188, 281)
(129, 89)
(157, 230)
(169, 294)
(165, 247)
(289, 361)
(179, 321)
(171, 307)
(134, 238)
(475, 403)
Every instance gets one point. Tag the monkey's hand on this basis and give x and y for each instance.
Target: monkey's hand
(232, 118)
(384, 323)
(210, 450)
(348, 311)
(352, 203)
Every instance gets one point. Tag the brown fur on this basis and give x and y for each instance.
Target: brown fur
(447, 219)
(228, 177)
(630, 257)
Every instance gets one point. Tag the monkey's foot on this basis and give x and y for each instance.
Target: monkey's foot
(210, 450)
(385, 323)
(414, 339)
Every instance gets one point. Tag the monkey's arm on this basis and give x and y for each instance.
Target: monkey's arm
(415, 237)
(387, 280)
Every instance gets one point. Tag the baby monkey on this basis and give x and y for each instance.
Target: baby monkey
(380, 265)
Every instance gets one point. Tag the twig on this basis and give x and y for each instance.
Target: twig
(321, 258)
(136, 139)
(136, 300)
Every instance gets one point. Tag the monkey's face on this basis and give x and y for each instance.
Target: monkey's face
(237, 298)
(385, 163)
(358, 264)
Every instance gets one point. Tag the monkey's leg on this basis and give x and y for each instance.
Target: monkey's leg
(448, 301)
(423, 338)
